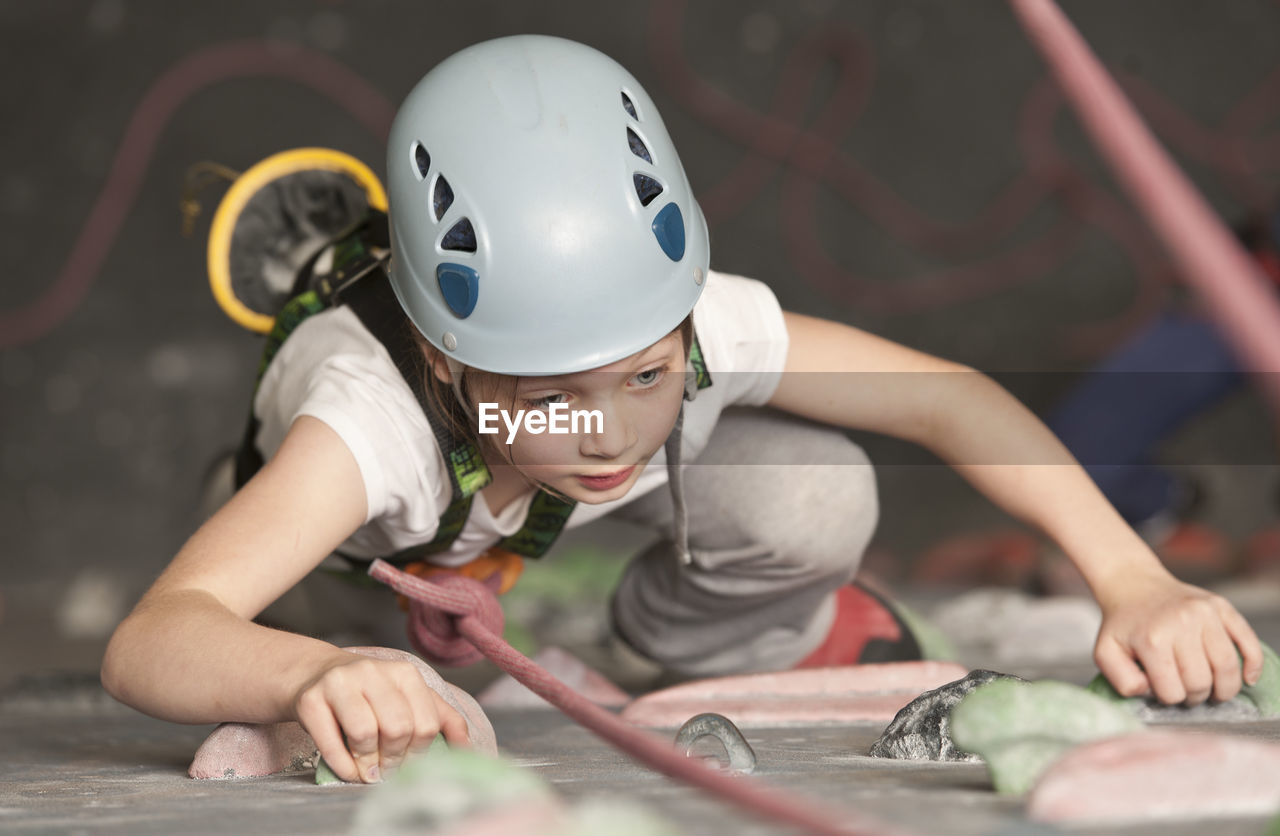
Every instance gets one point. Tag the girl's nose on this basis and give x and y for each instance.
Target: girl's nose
(615, 437)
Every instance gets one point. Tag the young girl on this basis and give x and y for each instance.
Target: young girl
(549, 262)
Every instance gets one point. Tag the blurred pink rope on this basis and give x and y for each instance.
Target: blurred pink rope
(201, 69)
(1232, 285)
(809, 156)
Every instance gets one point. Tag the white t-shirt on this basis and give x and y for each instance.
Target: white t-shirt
(332, 369)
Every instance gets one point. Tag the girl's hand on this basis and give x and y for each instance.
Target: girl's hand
(1164, 637)
(382, 710)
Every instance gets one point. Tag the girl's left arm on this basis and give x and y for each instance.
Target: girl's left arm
(1158, 634)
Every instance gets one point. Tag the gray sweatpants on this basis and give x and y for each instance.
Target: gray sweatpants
(780, 512)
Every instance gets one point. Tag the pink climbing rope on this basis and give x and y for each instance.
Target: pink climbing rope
(464, 599)
(1231, 284)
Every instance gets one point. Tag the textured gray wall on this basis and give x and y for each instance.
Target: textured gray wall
(111, 409)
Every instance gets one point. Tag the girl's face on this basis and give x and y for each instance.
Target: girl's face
(624, 413)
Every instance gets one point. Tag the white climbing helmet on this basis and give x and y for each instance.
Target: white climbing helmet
(541, 222)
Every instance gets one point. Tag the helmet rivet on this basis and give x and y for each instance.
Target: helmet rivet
(697, 275)
(450, 341)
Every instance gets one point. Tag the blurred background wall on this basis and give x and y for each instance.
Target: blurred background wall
(906, 166)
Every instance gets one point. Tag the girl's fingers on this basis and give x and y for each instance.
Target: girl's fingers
(395, 724)
(451, 723)
(1120, 669)
(1162, 672)
(360, 725)
(1193, 668)
(1244, 638)
(432, 715)
(382, 712)
(318, 719)
(1224, 661)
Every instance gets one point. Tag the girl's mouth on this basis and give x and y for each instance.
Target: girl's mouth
(606, 482)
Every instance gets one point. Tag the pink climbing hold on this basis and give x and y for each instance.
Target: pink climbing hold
(506, 692)
(1150, 776)
(246, 750)
(814, 696)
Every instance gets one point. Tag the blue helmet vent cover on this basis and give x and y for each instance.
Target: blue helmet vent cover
(668, 228)
(460, 286)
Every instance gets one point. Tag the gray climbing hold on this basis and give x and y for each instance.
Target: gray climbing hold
(1019, 728)
(742, 758)
(922, 729)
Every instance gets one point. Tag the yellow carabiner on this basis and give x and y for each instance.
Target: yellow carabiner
(238, 196)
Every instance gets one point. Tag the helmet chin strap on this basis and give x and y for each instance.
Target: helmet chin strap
(675, 477)
(675, 481)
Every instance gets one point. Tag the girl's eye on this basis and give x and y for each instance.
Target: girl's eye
(648, 377)
(543, 403)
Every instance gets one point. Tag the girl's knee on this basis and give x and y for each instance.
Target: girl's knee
(817, 518)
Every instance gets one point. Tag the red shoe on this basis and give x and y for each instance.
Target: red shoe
(1262, 553)
(994, 558)
(1196, 553)
(865, 630)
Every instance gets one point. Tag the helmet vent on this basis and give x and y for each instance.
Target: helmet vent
(461, 237)
(646, 188)
(442, 197)
(628, 106)
(637, 146)
(422, 160)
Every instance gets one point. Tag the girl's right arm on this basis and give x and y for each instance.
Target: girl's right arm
(190, 652)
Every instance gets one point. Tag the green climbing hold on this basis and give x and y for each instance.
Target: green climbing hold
(441, 786)
(1019, 728)
(324, 775)
(616, 817)
(1273, 827)
(1265, 693)
(1101, 686)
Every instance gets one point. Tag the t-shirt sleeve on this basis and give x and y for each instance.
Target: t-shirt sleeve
(331, 369)
(743, 337)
